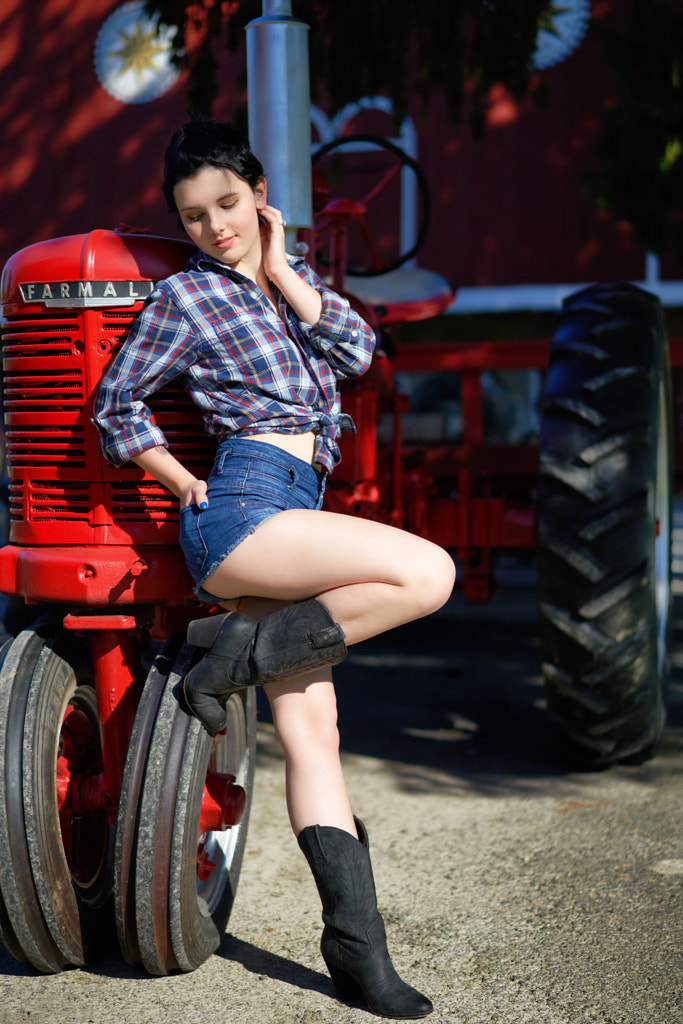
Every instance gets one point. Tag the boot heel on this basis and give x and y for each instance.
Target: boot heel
(203, 632)
(346, 987)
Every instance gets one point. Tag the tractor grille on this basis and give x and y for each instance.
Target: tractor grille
(52, 366)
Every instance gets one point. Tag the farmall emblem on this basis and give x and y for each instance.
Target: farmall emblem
(133, 55)
(85, 294)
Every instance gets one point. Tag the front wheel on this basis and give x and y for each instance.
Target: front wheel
(55, 857)
(605, 524)
(182, 822)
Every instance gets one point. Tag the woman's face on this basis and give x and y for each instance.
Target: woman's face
(219, 212)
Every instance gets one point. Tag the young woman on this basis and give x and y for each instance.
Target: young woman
(261, 343)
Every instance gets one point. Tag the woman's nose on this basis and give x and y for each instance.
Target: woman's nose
(217, 221)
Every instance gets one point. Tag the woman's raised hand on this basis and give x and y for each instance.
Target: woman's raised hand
(273, 241)
(304, 300)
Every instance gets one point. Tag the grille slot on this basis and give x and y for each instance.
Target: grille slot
(29, 391)
(34, 446)
(16, 325)
(143, 501)
(24, 350)
(59, 500)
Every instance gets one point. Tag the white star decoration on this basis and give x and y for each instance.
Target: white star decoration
(133, 55)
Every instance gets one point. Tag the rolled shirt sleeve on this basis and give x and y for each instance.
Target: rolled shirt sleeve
(156, 351)
(344, 338)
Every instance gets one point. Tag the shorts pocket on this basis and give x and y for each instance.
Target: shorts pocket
(191, 540)
(265, 484)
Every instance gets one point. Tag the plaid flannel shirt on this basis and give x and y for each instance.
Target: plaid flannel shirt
(248, 368)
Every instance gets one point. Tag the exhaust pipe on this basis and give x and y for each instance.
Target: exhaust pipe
(279, 110)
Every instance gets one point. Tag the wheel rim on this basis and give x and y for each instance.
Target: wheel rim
(85, 833)
(662, 513)
(215, 850)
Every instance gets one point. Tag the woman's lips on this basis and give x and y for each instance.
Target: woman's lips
(225, 243)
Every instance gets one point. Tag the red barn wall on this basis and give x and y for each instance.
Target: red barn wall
(508, 210)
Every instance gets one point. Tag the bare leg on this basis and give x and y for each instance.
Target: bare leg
(305, 720)
(371, 577)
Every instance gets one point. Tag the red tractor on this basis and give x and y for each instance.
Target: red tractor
(117, 810)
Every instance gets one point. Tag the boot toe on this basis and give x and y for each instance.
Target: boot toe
(210, 712)
(400, 1002)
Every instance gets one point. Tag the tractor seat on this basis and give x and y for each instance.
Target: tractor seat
(407, 293)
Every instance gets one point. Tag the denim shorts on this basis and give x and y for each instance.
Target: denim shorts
(250, 482)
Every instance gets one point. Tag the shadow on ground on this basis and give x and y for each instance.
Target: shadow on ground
(457, 700)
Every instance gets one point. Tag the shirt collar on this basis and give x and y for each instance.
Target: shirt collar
(200, 261)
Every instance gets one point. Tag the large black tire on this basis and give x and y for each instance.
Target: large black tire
(175, 885)
(604, 526)
(55, 864)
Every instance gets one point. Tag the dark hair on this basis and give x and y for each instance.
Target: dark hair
(201, 143)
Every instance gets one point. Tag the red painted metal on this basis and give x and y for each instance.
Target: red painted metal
(67, 304)
(223, 803)
(96, 575)
(116, 660)
(471, 356)
(83, 818)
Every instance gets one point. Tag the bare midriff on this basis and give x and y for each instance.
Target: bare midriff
(302, 446)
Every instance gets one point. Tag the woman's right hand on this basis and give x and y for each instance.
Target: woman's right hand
(195, 494)
(165, 468)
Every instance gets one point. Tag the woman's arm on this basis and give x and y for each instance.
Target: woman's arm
(306, 302)
(165, 468)
(299, 294)
(329, 323)
(159, 347)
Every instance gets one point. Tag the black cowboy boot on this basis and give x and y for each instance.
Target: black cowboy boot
(243, 652)
(353, 943)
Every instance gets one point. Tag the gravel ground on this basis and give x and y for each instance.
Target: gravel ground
(514, 891)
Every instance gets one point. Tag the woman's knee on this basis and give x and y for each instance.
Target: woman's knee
(432, 578)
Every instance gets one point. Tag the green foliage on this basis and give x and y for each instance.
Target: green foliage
(403, 48)
(639, 151)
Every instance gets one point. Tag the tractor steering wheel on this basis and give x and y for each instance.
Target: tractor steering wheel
(344, 211)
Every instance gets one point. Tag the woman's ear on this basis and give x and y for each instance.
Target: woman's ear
(261, 193)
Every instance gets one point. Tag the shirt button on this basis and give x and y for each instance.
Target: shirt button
(354, 334)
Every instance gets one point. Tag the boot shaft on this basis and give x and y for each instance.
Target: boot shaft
(343, 875)
(243, 652)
